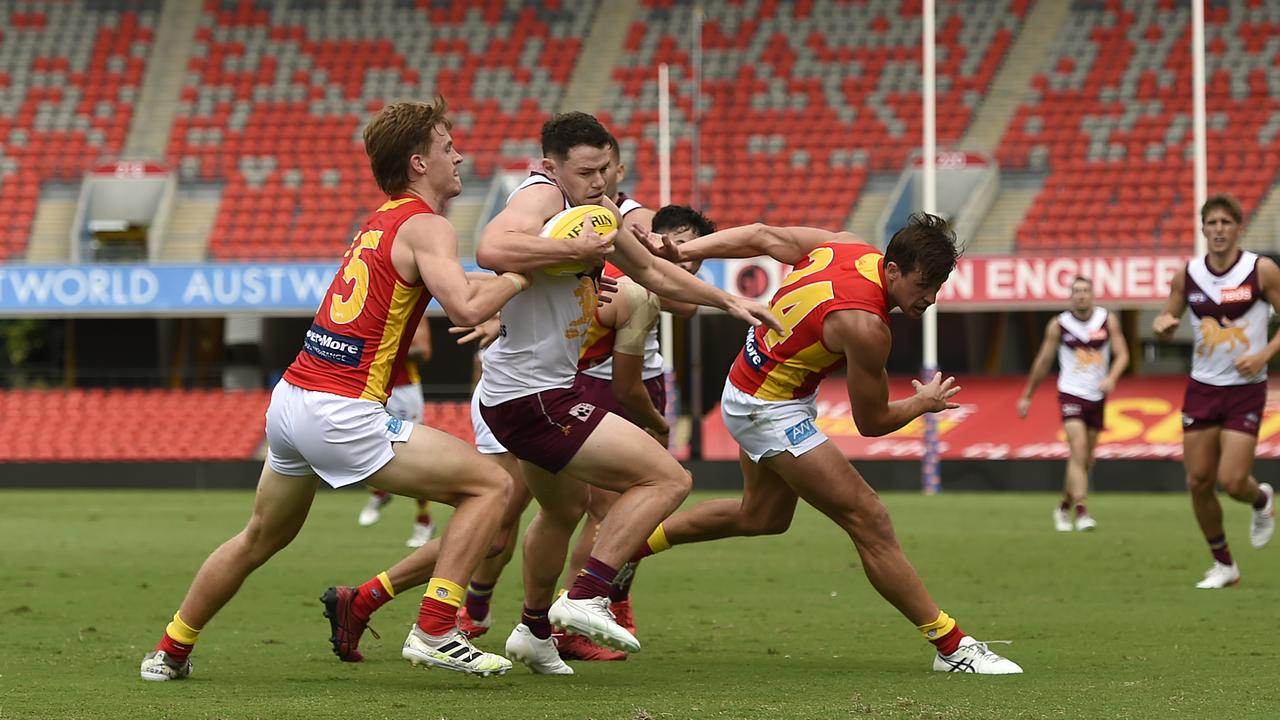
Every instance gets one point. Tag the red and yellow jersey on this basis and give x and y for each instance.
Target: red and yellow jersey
(787, 365)
(598, 346)
(365, 323)
(405, 373)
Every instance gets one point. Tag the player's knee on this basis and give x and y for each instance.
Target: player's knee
(258, 544)
(677, 484)
(1200, 482)
(1236, 484)
(871, 525)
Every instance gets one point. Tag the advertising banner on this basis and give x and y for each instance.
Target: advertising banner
(1143, 422)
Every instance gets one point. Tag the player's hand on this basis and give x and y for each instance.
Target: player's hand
(938, 393)
(591, 247)
(1164, 325)
(753, 312)
(484, 333)
(606, 288)
(657, 243)
(1250, 365)
(1024, 406)
(1107, 385)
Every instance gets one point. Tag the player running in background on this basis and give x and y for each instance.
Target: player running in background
(528, 397)
(405, 402)
(834, 308)
(328, 421)
(1092, 355)
(1228, 290)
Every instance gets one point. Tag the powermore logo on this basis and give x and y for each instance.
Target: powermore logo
(328, 345)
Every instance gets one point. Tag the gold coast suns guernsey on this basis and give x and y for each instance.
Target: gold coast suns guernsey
(788, 365)
(365, 322)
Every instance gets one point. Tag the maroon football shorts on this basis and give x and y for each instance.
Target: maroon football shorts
(546, 428)
(1230, 407)
(1092, 412)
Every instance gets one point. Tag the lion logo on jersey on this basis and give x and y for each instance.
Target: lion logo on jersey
(586, 295)
(1213, 333)
(1086, 358)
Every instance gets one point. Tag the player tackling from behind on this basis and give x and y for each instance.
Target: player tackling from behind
(328, 421)
(834, 308)
(1092, 355)
(1228, 290)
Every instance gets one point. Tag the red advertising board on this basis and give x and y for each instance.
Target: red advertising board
(1029, 281)
(1143, 422)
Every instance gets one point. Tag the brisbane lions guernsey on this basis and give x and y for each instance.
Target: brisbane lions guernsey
(1084, 354)
(365, 322)
(788, 365)
(1230, 317)
(542, 330)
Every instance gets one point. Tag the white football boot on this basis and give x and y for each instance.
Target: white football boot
(975, 657)
(592, 617)
(540, 656)
(1061, 520)
(1085, 523)
(1264, 520)
(1220, 576)
(422, 533)
(451, 652)
(158, 667)
(372, 510)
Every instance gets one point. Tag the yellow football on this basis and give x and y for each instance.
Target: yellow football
(568, 224)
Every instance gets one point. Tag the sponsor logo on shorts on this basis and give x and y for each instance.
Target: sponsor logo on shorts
(1243, 293)
(394, 425)
(333, 347)
(1251, 420)
(1072, 409)
(582, 411)
(751, 352)
(801, 431)
(1187, 420)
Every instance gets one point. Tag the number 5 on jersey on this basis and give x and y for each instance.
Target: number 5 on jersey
(344, 310)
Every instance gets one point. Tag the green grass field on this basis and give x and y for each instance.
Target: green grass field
(1107, 625)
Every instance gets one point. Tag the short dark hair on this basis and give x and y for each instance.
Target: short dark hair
(566, 131)
(926, 243)
(1224, 202)
(615, 148)
(398, 132)
(1083, 279)
(674, 217)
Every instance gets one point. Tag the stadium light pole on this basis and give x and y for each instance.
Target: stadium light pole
(695, 322)
(1200, 162)
(930, 478)
(666, 332)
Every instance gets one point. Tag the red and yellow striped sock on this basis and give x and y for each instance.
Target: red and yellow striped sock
(179, 639)
(944, 633)
(439, 612)
(656, 543)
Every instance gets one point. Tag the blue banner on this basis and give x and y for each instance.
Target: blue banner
(206, 289)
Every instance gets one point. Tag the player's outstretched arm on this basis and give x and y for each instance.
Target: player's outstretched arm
(1119, 354)
(434, 248)
(671, 281)
(1167, 321)
(1269, 283)
(511, 242)
(865, 341)
(1040, 367)
(635, 316)
(784, 244)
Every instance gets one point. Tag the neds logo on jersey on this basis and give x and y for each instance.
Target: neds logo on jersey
(334, 347)
(1244, 293)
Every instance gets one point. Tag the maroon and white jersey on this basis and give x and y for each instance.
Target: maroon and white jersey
(626, 204)
(1230, 317)
(542, 330)
(1084, 354)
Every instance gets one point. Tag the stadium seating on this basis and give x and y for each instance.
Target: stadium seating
(96, 425)
(801, 99)
(70, 73)
(1110, 122)
(278, 93)
(131, 425)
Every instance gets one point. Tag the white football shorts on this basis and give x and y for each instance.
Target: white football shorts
(405, 402)
(486, 443)
(764, 428)
(341, 439)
